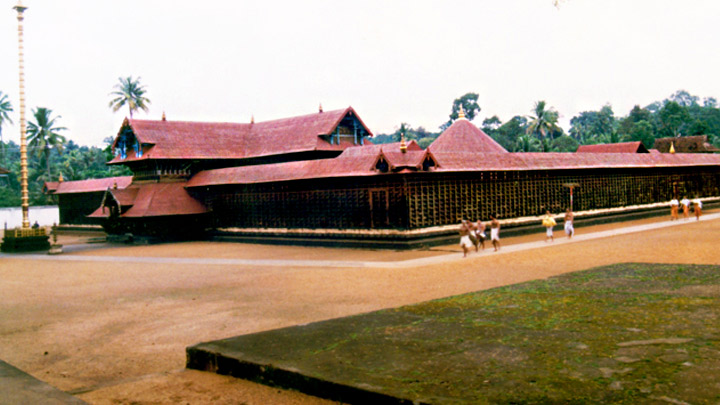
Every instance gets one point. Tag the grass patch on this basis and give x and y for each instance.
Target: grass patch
(626, 333)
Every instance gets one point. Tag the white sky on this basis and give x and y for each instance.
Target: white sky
(393, 61)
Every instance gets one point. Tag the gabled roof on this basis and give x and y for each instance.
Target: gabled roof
(685, 144)
(463, 136)
(151, 200)
(85, 186)
(49, 187)
(622, 147)
(203, 140)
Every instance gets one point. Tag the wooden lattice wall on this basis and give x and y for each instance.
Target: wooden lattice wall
(334, 204)
(432, 199)
(518, 194)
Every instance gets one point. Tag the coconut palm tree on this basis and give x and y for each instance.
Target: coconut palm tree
(43, 135)
(5, 108)
(544, 122)
(131, 93)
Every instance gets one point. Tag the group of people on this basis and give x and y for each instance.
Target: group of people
(472, 234)
(685, 203)
(549, 222)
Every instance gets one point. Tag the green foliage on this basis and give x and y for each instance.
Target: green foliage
(76, 163)
(509, 133)
(681, 114)
(544, 122)
(469, 105)
(131, 93)
(674, 119)
(5, 108)
(564, 144)
(419, 135)
(43, 136)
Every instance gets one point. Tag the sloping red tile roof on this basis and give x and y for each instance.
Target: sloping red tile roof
(49, 187)
(160, 199)
(356, 161)
(153, 200)
(85, 186)
(559, 161)
(463, 136)
(202, 140)
(362, 164)
(622, 147)
(124, 197)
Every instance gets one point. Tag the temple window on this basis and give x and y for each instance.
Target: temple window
(382, 165)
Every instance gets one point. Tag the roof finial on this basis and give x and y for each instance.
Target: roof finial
(320, 108)
(672, 147)
(163, 116)
(461, 113)
(403, 145)
(252, 119)
(60, 178)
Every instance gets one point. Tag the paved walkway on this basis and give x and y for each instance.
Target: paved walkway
(408, 263)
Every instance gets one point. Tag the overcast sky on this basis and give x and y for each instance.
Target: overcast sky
(393, 61)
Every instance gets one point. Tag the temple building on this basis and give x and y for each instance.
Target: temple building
(317, 176)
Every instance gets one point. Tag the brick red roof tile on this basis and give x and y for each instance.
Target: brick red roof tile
(49, 187)
(152, 200)
(85, 186)
(202, 140)
(463, 136)
(353, 163)
(622, 147)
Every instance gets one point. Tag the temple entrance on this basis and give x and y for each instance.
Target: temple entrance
(379, 208)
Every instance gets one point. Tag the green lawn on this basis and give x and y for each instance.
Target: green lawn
(627, 333)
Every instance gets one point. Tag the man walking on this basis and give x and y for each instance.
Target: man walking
(495, 232)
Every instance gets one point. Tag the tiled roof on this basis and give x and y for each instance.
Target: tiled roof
(622, 147)
(558, 161)
(201, 140)
(685, 144)
(152, 200)
(352, 163)
(49, 187)
(124, 197)
(85, 186)
(463, 136)
(356, 161)
(160, 199)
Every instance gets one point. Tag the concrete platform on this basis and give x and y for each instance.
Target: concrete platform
(18, 387)
(281, 358)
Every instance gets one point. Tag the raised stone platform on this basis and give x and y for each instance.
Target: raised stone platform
(287, 358)
(18, 387)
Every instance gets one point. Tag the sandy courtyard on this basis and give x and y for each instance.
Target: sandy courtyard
(114, 331)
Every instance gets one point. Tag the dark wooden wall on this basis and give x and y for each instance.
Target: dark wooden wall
(433, 199)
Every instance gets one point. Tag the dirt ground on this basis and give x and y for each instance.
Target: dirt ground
(115, 332)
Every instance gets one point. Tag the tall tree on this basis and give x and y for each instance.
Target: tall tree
(544, 122)
(673, 118)
(5, 108)
(469, 105)
(131, 93)
(43, 135)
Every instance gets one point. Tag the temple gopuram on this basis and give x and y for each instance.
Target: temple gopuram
(318, 177)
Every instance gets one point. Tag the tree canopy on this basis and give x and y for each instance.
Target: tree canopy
(131, 93)
(681, 114)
